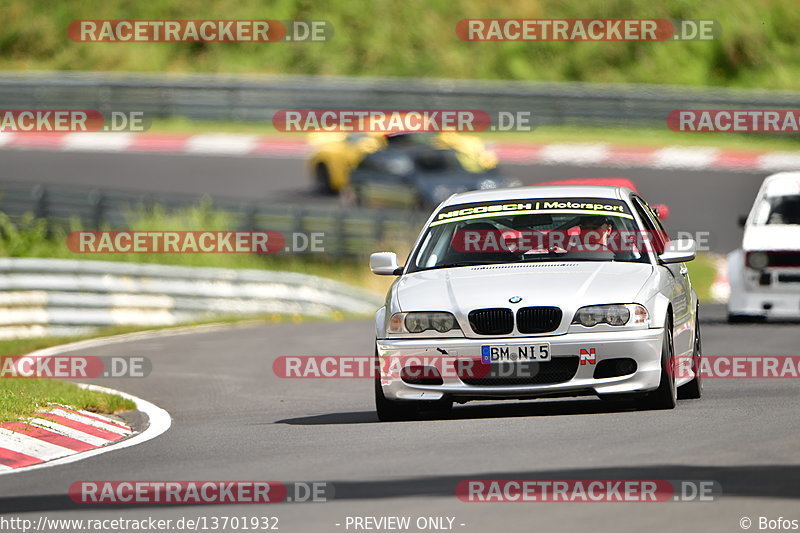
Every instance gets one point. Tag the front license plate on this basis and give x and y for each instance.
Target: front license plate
(514, 354)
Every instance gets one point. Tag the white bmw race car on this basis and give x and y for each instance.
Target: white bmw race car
(538, 292)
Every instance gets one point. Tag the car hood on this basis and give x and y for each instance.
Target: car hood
(771, 237)
(565, 285)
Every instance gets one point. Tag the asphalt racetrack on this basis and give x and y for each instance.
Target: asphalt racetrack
(233, 419)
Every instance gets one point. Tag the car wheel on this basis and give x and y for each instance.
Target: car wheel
(666, 395)
(391, 411)
(694, 389)
(323, 179)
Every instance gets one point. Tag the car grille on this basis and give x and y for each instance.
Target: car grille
(538, 319)
(500, 321)
(494, 321)
(558, 370)
(784, 259)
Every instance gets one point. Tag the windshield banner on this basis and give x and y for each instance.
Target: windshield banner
(538, 206)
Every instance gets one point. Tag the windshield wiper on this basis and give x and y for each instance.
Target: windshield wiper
(467, 263)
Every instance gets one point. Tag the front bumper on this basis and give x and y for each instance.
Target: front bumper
(770, 303)
(644, 346)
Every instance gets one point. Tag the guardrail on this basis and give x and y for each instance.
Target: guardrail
(347, 233)
(67, 297)
(256, 98)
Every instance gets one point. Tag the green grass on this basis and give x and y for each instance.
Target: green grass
(185, 125)
(416, 38)
(20, 398)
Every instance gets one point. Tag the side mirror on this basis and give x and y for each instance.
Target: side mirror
(384, 264)
(661, 211)
(742, 220)
(679, 251)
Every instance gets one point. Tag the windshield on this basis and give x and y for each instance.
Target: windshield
(532, 230)
(405, 162)
(781, 210)
(411, 139)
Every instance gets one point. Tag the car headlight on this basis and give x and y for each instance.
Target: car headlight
(757, 260)
(613, 315)
(422, 321)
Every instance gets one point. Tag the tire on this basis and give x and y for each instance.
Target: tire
(438, 408)
(322, 179)
(391, 411)
(388, 410)
(694, 389)
(666, 395)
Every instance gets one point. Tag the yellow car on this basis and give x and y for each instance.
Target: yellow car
(337, 154)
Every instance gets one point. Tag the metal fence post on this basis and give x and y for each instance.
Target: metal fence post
(40, 202)
(97, 200)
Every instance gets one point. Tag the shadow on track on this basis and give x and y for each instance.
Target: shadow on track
(752, 481)
(560, 407)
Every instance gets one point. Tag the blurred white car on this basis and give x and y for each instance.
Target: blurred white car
(764, 274)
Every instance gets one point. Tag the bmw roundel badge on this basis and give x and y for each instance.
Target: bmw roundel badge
(515, 299)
